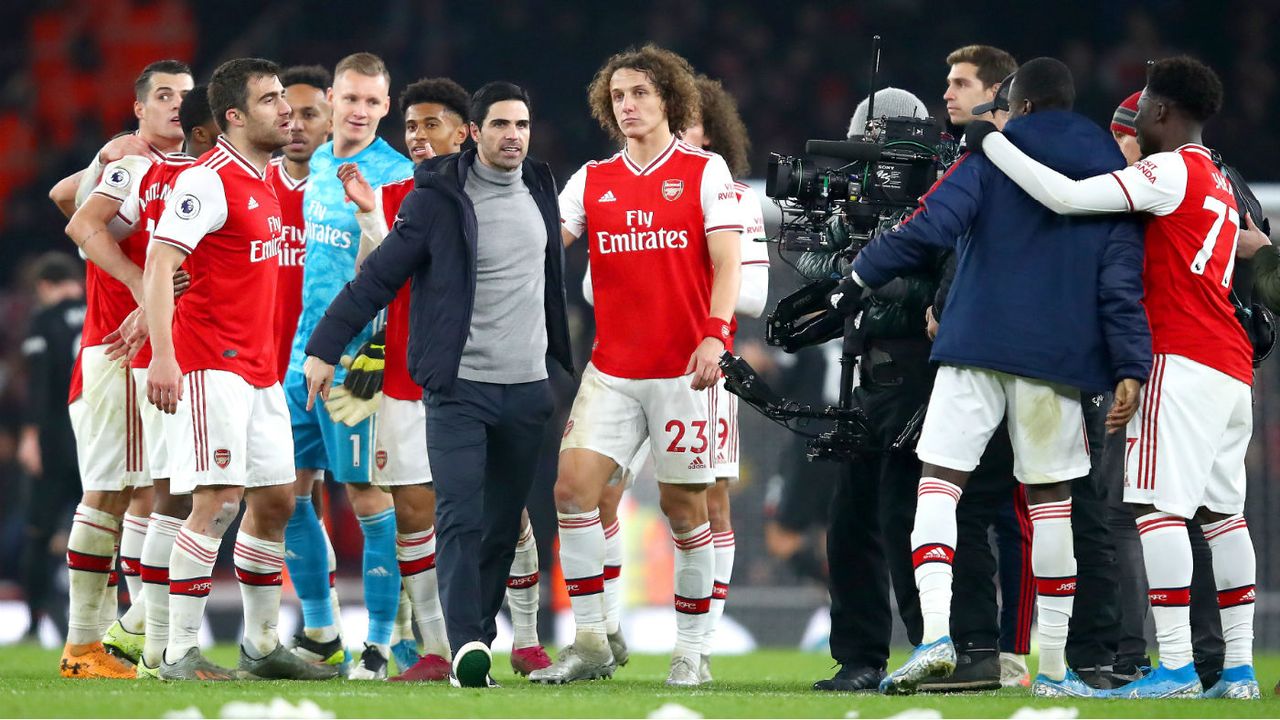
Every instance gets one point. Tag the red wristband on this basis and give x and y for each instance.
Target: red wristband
(714, 327)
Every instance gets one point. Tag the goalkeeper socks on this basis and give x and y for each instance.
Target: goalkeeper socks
(522, 591)
(90, 549)
(695, 568)
(582, 552)
(306, 559)
(381, 575)
(1166, 553)
(723, 548)
(1235, 572)
(612, 578)
(190, 580)
(156, 550)
(259, 564)
(416, 553)
(110, 601)
(933, 543)
(133, 534)
(1054, 563)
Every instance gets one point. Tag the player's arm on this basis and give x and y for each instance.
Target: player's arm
(63, 193)
(107, 216)
(71, 191)
(1124, 319)
(373, 225)
(402, 253)
(722, 222)
(945, 214)
(1136, 188)
(573, 212)
(197, 206)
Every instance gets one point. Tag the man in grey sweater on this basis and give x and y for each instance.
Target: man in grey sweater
(479, 236)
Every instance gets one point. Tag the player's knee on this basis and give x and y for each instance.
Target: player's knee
(175, 506)
(684, 505)
(569, 495)
(366, 499)
(1051, 492)
(415, 507)
(718, 508)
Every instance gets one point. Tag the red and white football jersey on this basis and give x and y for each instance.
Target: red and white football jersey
(396, 381)
(754, 251)
(293, 254)
(650, 268)
(225, 216)
(1190, 255)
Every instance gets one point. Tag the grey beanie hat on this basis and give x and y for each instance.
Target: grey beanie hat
(890, 102)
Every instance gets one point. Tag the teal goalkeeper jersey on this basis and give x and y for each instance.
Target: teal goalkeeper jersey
(333, 235)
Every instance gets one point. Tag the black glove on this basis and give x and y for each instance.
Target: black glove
(847, 297)
(975, 132)
(364, 379)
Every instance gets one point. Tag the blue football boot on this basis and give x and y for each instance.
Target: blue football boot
(1237, 683)
(1161, 683)
(931, 660)
(1070, 686)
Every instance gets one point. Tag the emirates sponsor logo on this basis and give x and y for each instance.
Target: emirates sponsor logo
(222, 457)
(672, 189)
(380, 458)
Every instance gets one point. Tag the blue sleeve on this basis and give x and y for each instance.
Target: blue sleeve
(944, 215)
(404, 251)
(1123, 317)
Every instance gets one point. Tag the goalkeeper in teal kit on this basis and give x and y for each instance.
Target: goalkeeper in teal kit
(360, 98)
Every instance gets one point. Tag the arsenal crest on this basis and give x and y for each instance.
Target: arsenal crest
(672, 189)
(380, 458)
(222, 457)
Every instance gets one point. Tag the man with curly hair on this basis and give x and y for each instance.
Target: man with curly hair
(1185, 447)
(659, 208)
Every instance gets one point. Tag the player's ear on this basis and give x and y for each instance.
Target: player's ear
(137, 109)
(475, 132)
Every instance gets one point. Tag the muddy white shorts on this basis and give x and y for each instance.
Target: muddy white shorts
(108, 425)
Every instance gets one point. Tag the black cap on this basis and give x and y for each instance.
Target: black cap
(1001, 100)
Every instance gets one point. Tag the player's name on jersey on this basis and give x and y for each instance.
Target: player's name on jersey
(329, 235)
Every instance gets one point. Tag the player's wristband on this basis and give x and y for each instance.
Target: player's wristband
(714, 327)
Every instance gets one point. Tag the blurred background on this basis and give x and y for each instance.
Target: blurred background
(797, 70)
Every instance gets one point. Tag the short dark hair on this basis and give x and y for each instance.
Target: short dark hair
(195, 110)
(496, 92)
(1187, 83)
(56, 267)
(441, 91)
(993, 63)
(1046, 82)
(229, 86)
(142, 85)
(314, 75)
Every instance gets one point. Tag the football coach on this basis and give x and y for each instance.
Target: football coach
(479, 238)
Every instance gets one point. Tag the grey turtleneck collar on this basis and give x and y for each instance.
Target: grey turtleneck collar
(497, 176)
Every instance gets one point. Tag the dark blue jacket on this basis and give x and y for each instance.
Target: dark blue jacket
(1036, 294)
(434, 243)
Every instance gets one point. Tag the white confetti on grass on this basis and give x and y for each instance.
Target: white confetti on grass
(277, 709)
(675, 711)
(1048, 713)
(918, 714)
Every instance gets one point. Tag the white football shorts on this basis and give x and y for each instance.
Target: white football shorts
(108, 425)
(400, 443)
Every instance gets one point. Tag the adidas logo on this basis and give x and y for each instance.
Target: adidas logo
(252, 203)
(378, 571)
(697, 464)
(607, 197)
(935, 554)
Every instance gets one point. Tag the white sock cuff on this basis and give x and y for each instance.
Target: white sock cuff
(200, 549)
(722, 539)
(1160, 521)
(136, 523)
(578, 522)
(1051, 512)
(258, 555)
(1216, 531)
(698, 537)
(97, 519)
(938, 486)
(165, 524)
(417, 545)
(526, 538)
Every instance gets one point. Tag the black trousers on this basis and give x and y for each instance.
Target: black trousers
(484, 442)
(993, 499)
(1094, 636)
(872, 512)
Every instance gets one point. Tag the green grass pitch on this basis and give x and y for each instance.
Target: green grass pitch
(770, 683)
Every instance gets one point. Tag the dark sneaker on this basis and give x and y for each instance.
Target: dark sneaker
(280, 664)
(313, 651)
(975, 670)
(471, 666)
(194, 666)
(852, 679)
(371, 666)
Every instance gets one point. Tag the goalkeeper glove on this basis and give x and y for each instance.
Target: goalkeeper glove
(364, 377)
(346, 408)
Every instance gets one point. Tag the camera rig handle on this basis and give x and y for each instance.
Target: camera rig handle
(804, 318)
